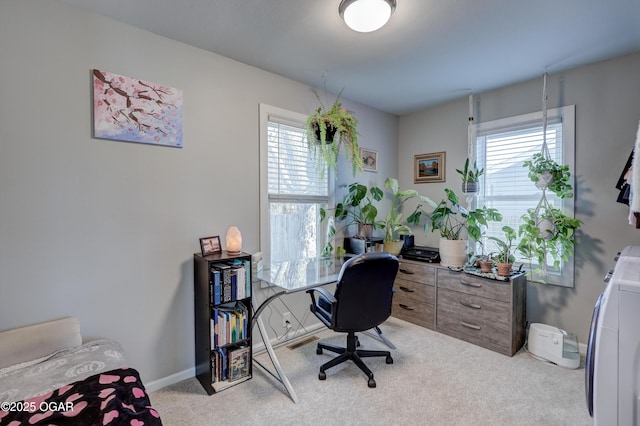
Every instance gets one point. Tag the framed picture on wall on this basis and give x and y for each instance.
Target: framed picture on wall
(429, 167)
(210, 245)
(369, 159)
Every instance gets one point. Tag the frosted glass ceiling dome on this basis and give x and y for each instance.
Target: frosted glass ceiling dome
(366, 15)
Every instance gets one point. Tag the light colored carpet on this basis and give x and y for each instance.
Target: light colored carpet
(435, 380)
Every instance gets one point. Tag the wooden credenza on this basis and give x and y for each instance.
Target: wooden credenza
(485, 312)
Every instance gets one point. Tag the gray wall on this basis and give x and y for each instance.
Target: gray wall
(607, 102)
(105, 230)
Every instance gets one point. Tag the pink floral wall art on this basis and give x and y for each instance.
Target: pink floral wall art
(128, 109)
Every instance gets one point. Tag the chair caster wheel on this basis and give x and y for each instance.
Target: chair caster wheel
(389, 360)
(319, 351)
(372, 383)
(323, 376)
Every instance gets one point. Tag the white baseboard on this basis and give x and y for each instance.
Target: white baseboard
(258, 348)
(170, 380)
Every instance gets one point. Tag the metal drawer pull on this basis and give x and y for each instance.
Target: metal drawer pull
(408, 290)
(473, 326)
(406, 271)
(406, 307)
(471, 305)
(468, 284)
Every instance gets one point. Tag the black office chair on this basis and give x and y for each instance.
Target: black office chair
(362, 301)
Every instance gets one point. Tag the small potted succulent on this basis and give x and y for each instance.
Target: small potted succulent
(329, 131)
(470, 177)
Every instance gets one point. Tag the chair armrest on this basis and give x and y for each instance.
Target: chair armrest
(323, 315)
(324, 294)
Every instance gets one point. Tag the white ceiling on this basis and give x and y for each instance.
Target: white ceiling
(431, 51)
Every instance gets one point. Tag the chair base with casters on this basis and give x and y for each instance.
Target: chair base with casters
(351, 353)
(362, 301)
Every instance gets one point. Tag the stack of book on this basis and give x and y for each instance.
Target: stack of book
(229, 324)
(230, 364)
(230, 281)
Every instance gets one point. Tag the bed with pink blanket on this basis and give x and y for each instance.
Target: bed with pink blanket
(47, 376)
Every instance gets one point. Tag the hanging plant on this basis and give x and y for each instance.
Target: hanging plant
(548, 174)
(329, 130)
(542, 243)
(470, 177)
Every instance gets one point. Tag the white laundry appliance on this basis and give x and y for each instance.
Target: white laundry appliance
(612, 370)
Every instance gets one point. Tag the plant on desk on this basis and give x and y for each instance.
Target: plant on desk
(453, 221)
(504, 257)
(393, 226)
(358, 207)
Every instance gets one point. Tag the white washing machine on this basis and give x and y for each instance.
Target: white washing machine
(612, 370)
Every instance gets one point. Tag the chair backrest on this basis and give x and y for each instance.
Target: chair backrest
(364, 291)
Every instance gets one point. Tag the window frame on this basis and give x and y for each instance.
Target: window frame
(566, 114)
(294, 118)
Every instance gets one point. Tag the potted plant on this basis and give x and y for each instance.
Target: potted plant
(553, 240)
(470, 177)
(329, 130)
(393, 226)
(504, 257)
(357, 208)
(485, 263)
(451, 219)
(546, 173)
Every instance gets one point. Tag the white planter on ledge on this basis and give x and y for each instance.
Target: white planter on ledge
(453, 253)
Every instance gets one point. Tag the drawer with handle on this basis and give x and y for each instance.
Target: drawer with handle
(413, 290)
(415, 311)
(416, 272)
(465, 283)
(485, 319)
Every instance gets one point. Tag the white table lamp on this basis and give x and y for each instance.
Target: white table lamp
(234, 240)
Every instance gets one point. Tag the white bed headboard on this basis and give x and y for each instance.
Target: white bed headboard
(38, 340)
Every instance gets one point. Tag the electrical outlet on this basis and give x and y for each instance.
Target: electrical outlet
(286, 320)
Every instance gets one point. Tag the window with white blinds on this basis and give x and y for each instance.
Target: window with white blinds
(294, 191)
(501, 148)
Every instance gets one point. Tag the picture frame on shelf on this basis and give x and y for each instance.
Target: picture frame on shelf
(239, 363)
(429, 167)
(210, 245)
(369, 159)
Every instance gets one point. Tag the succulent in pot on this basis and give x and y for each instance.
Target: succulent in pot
(470, 177)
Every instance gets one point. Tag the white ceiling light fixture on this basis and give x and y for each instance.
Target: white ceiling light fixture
(366, 16)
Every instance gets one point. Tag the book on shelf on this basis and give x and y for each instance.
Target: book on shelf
(225, 282)
(239, 360)
(215, 283)
(230, 364)
(230, 323)
(230, 281)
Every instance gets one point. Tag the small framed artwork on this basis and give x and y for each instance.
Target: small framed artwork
(369, 159)
(210, 245)
(239, 363)
(429, 167)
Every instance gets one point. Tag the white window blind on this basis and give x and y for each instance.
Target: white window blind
(292, 172)
(295, 190)
(501, 148)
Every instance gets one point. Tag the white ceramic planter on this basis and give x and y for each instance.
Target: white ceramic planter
(547, 228)
(544, 180)
(453, 253)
